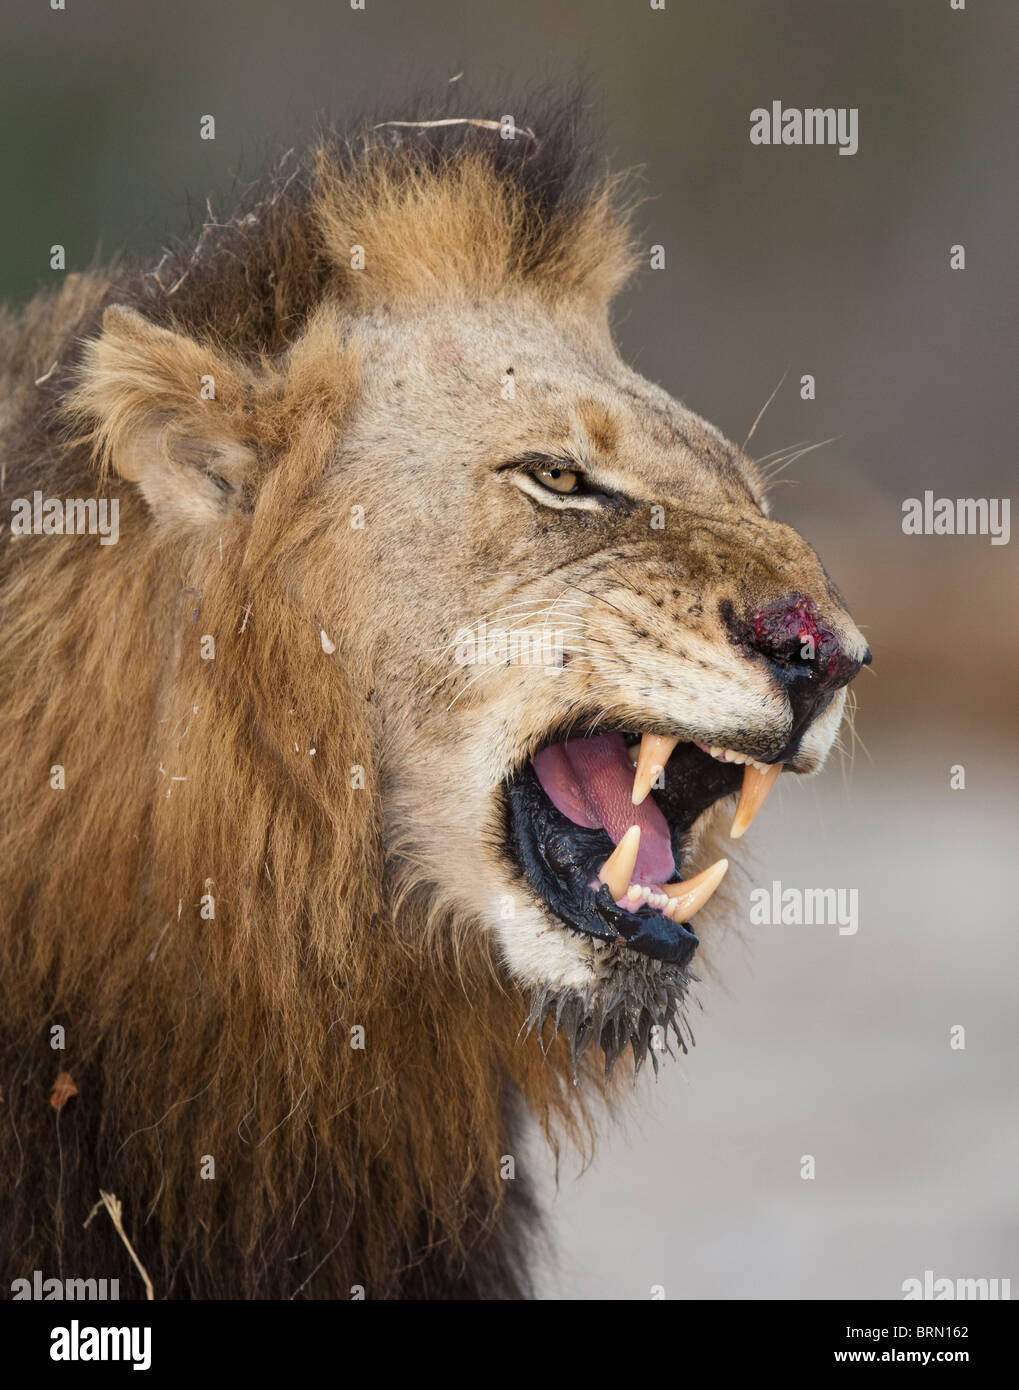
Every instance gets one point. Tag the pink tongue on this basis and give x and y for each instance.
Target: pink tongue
(590, 780)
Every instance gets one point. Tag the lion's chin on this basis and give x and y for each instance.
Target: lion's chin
(634, 1001)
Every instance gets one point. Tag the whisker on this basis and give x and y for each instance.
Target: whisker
(785, 462)
(763, 408)
(786, 448)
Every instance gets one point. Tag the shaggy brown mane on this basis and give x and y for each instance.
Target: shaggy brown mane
(231, 1037)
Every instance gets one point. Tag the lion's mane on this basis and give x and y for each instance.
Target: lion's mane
(228, 1039)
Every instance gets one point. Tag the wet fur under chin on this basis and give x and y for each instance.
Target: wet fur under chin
(640, 1004)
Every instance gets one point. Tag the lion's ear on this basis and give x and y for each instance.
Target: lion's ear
(170, 414)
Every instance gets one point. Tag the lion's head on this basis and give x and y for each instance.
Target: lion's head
(341, 732)
(533, 567)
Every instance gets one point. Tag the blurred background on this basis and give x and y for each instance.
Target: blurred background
(780, 261)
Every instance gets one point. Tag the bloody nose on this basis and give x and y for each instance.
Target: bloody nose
(790, 633)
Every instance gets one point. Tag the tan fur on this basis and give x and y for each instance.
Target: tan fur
(336, 906)
(458, 236)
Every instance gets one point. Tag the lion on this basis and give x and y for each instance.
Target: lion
(315, 892)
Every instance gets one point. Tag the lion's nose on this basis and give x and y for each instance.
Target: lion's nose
(792, 635)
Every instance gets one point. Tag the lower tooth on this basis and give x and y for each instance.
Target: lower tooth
(690, 896)
(617, 870)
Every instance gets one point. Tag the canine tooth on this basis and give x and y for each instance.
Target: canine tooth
(617, 870)
(634, 892)
(756, 789)
(690, 896)
(655, 750)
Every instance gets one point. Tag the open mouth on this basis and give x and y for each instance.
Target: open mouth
(600, 827)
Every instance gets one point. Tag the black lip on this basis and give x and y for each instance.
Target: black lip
(559, 859)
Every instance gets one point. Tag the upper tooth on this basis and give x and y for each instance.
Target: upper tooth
(757, 785)
(655, 750)
(617, 870)
(730, 755)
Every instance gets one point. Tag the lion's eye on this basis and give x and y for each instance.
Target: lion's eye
(558, 479)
